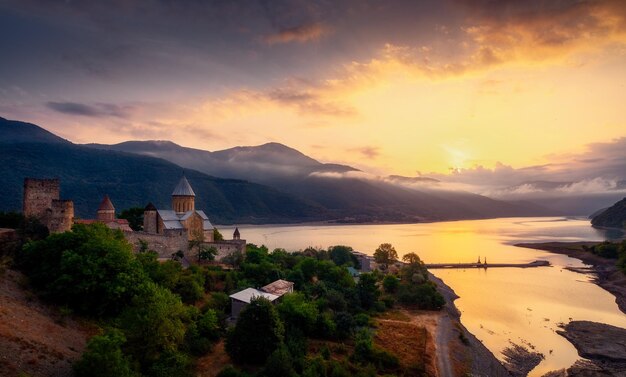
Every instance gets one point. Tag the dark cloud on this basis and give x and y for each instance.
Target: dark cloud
(96, 110)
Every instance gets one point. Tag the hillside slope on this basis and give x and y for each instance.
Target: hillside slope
(35, 339)
(612, 217)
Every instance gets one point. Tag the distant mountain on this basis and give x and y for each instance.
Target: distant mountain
(88, 174)
(13, 131)
(340, 189)
(612, 217)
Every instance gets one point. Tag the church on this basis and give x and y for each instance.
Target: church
(182, 219)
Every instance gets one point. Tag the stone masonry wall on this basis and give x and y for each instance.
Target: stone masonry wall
(38, 196)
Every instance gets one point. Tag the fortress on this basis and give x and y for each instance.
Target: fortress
(166, 231)
(41, 200)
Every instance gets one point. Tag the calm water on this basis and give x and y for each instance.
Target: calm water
(497, 305)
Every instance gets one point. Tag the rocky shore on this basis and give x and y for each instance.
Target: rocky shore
(603, 346)
(606, 274)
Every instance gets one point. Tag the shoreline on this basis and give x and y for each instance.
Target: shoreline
(450, 329)
(606, 274)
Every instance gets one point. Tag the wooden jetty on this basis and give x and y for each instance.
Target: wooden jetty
(537, 263)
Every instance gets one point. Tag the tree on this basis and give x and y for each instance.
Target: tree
(298, 313)
(207, 252)
(258, 332)
(104, 357)
(279, 364)
(154, 324)
(342, 255)
(367, 290)
(411, 258)
(91, 269)
(391, 283)
(134, 216)
(217, 236)
(385, 255)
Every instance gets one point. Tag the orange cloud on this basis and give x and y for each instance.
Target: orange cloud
(300, 34)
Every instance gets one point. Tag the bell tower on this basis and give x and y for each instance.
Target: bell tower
(183, 197)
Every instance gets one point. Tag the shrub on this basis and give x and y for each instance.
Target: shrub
(104, 357)
(391, 283)
(279, 364)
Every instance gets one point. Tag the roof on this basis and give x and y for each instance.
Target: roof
(106, 204)
(150, 207)
(183, 188)
(172, 220)
(236, 233)
(249, 293)
(279, 287)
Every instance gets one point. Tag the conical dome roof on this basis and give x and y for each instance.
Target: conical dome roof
(106, 204)
(183, 188)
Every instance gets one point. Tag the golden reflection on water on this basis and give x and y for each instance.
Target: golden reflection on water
(497, 305)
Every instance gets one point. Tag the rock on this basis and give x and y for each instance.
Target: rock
(596, 341)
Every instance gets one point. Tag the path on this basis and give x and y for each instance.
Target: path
(442, 339)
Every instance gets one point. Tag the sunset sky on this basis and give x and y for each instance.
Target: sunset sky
(392, 87)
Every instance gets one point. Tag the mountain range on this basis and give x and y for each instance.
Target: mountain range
(269, 183)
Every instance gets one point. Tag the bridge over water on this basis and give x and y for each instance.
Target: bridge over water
(537, 263)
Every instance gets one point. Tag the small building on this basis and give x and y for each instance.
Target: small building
(239, 300)
(279, 287)
(365, 260)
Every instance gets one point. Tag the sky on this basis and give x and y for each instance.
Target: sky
(459, 90)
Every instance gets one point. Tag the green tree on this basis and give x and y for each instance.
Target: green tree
(207, 252)
(342, 255)
(91, 269)
(411, 258)
(279, 364)
(258, 332)
(154, 324)
(367, 290)
(298, 313)
(217, 236)
(391, 283)
(385, 255)
(104, 358)
(134, 216)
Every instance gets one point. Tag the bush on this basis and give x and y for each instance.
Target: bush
(423, 296)
(367, 290)
(91, 269)
(279, 364)
(154, 324)
(298, 313)
(104, 358)
(391, 283)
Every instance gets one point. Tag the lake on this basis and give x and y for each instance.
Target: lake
(499, 305)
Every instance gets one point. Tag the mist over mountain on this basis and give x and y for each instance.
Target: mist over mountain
(348, 193)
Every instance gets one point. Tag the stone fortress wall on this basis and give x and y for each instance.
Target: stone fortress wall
(41, 200)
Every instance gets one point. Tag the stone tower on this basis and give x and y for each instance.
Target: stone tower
(38, 196)
(106, 211)
(183, 197)
(150, 224)
(61, 216)
(41, 200)
(236, 234)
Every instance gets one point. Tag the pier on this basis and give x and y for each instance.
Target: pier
(537, 263)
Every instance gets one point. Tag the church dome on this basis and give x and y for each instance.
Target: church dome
(183, 188)
(106, 204)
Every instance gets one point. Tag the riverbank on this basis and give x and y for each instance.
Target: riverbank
(605, 272)
(457, 349)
